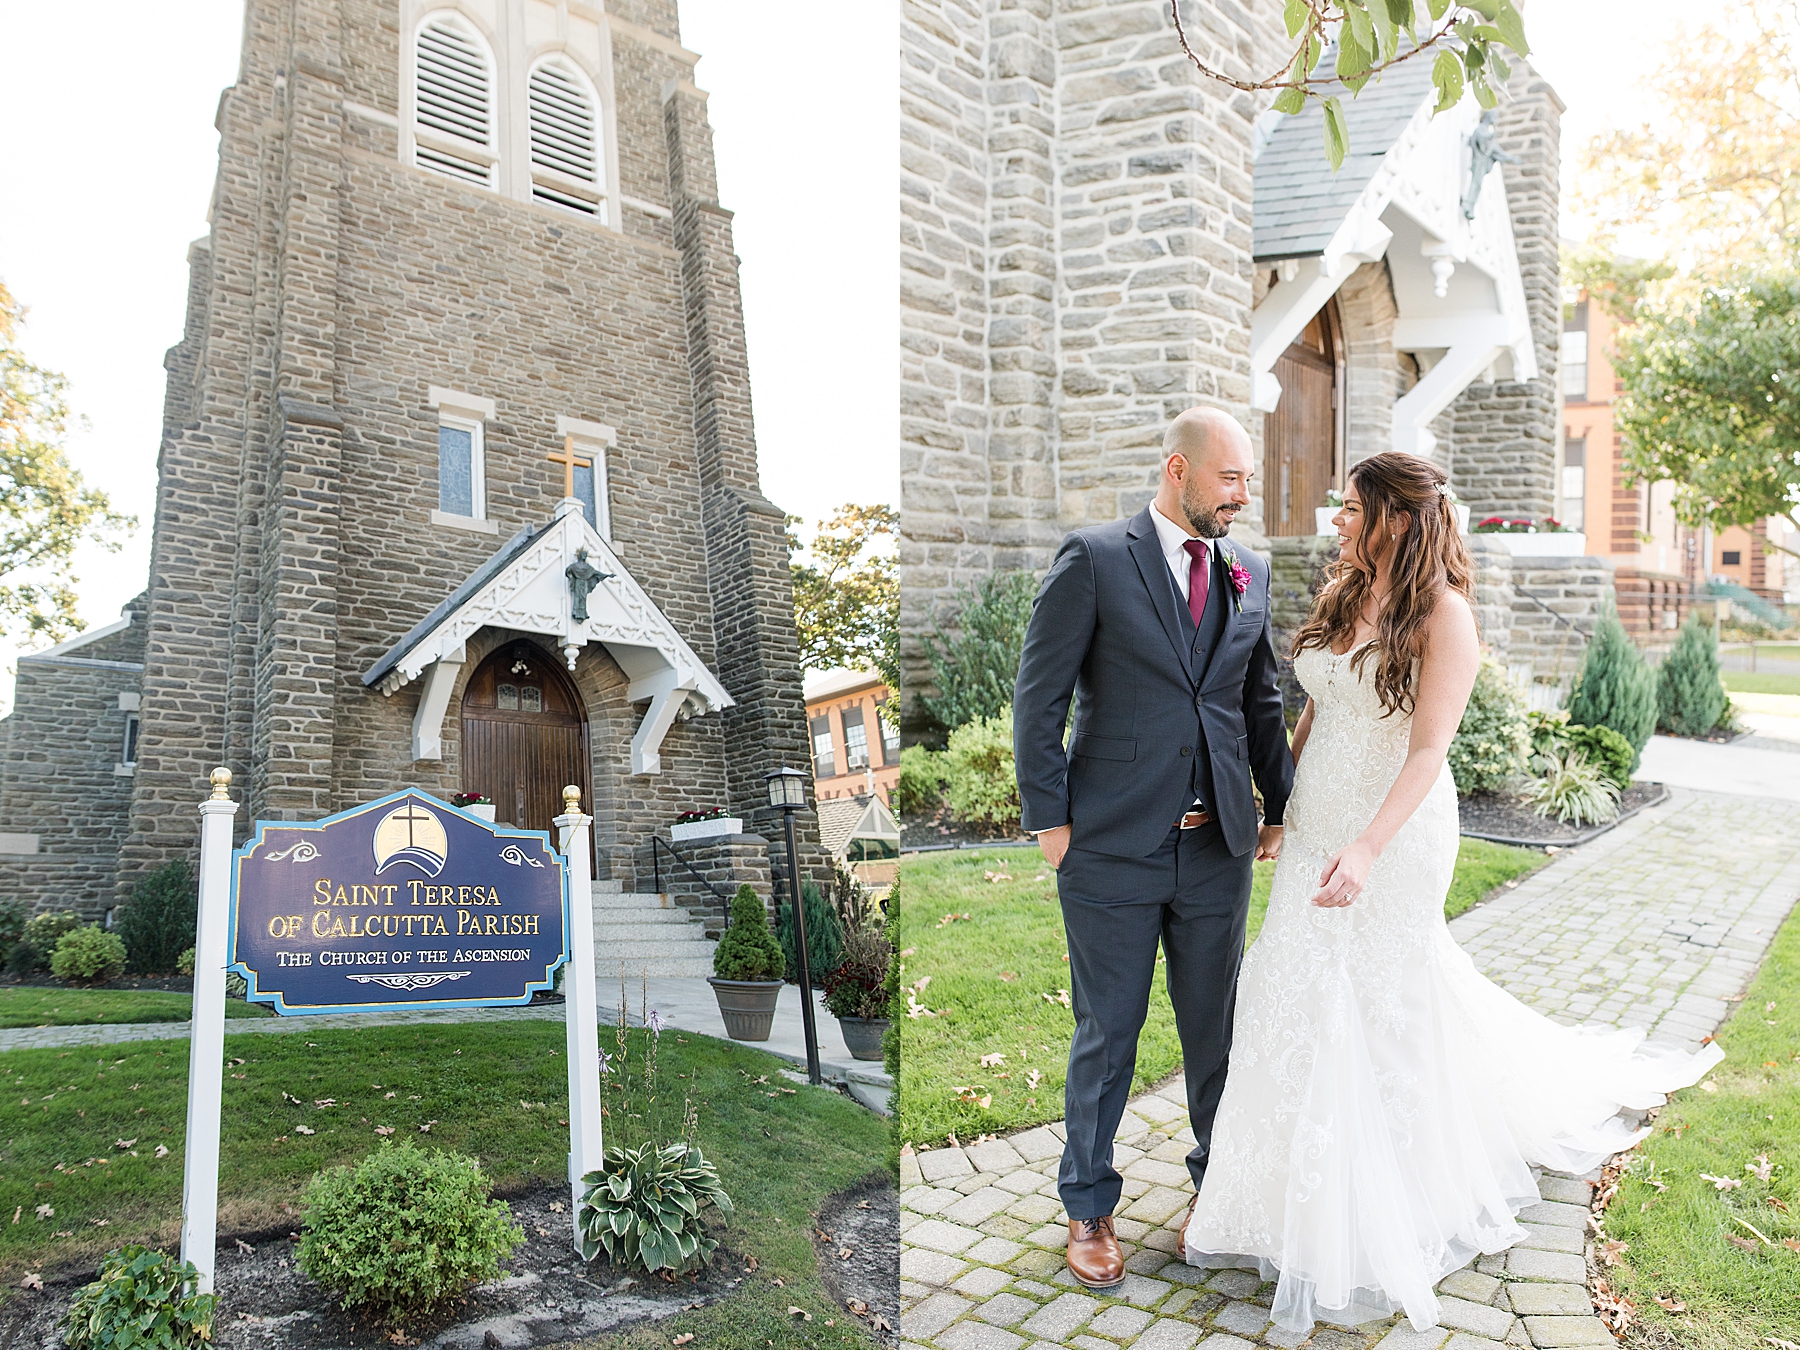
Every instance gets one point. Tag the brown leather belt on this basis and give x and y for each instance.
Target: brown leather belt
(1193, 820)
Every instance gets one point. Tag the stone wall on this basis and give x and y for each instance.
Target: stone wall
(1556, 604)
(1297, 566)
(721, 864)
(1493, 593)
(1505, 435)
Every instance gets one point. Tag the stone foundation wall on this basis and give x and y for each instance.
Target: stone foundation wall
(1556, 603)
(1493, 593)
(726, 863)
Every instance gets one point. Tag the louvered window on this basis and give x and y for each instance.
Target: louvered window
(565, 160)
(454, 102)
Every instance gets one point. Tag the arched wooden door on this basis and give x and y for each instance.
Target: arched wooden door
(524, 736)
(1301, 441)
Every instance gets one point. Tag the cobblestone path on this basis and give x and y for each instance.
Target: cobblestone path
(1658, 923)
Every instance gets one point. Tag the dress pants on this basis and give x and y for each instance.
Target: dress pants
(1193, 898)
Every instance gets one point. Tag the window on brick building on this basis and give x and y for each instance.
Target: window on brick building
(459, 466)
(454, 131)
(1731, 557)
(128, 754)
(856, 740)
(890, 735)
(824, 761)
(1575, 352)
(1574, 482)
(565, 138)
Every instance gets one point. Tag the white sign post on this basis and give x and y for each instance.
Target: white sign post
(581, 1010)
(206, 1038)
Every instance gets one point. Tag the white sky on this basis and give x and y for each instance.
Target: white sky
(109, 171)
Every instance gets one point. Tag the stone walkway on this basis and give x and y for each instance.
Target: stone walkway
(1659, 923)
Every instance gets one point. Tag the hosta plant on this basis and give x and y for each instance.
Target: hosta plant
(642, 1207)
(143, 1298)
(1573, 790)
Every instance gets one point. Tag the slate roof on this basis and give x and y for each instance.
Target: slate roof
(1299, 201)
(480, 577)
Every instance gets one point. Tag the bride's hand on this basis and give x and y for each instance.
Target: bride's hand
(1344, 876)
(1268, 842)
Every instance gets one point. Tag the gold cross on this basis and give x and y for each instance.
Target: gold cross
(410, 813)
(570, 462)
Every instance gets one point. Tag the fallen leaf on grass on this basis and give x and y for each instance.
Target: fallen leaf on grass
(1761, 1167)
(845, 1253)
(1744, 1243)
(290, 1097)
(685, 1338)
(857, 1306)
(387, 1096)
(162, 1150)
(1612, 1251)
(1721, 1183)
(17, 1212)
(384, 1130)
(1709, 1086)
(556, 1206)
(1674, 1305)
(1060, 996)
(993, 1060)
(1008, 976)
(1792, 1244)
(949, 919)
(324, 1102)
(750, 1265)
(123, 1144)
(1778, 1203)
(32, 1280)
(426, 1127)
(244, 1247)
(302, 1129)
(801, 1313)
(46, 1212)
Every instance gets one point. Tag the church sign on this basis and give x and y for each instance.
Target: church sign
(405, 902)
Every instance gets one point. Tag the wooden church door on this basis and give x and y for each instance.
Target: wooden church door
(524, 737)
(1301, 443)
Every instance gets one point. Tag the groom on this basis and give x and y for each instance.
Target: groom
(1160, 630)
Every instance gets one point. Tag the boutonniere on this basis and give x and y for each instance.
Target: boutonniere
(1240, 576)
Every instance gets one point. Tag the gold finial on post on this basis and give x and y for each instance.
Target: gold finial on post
(571, 800)
(221, 782)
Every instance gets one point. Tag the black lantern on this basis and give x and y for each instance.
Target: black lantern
(787, 793)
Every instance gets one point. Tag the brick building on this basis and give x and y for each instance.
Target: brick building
(855, 751)
(458, 482)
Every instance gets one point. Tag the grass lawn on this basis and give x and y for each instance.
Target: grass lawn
(42, 1006)
(1678, 1240)
(1742, 682)
(995, 976)
(497, 1090)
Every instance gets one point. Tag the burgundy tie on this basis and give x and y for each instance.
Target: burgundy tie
(1197, 571)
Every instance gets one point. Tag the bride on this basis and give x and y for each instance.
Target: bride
(1385, 1102)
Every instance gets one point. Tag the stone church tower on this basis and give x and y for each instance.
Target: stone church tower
(458, 480)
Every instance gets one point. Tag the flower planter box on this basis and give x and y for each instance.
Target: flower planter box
(746, 1006)
(862, 1035)
(706, 829)
(1552, 544)
(482, 812)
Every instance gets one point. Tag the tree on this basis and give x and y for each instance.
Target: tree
(1711, 398)
(975, 666)
(847, 592)
(1463, 39)
(1716, 166)
(45, 507)
(1616, 282)
(1614, 688)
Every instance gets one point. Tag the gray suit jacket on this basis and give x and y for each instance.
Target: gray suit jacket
(1160, 717)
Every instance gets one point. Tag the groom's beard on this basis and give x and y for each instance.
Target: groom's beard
(1210, 522)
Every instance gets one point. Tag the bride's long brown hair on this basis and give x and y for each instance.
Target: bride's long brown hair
(1428, 558)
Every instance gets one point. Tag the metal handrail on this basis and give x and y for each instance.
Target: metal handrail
(658, 842)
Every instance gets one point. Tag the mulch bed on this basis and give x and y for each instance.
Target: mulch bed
(43, 979)
(941, 830)
(547, 1296)
(1504, 819)
(864, 1222)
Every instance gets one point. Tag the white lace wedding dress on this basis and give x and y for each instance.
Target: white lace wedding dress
(1385, 1102)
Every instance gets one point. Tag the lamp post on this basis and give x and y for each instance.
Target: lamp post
(787, 791)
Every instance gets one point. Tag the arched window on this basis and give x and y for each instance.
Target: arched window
(453, 101)
(565, 139)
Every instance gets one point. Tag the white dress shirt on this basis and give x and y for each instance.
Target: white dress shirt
(1173, 539)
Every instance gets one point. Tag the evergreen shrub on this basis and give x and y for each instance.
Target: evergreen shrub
(89, 955)
(13, 915)
(975, 668)
(1606, 750)
(31, 953)
(921, 783)
(160, 919)
(1614, 688)
(748, 950)
(983, 785)
(1690, 696)
(143, 1300)
(1493, 739)
(824, 935)
(404, 1230)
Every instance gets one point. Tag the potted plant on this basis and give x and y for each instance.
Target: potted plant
(477, 804)
(856, 992)
(747, 970)
(715, 820)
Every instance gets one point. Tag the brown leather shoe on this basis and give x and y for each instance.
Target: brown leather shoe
(1181, 1238)
(1094, 1256)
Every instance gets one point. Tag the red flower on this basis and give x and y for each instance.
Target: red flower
(1240, 578)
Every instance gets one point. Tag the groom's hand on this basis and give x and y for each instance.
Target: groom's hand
(1268, 842)
(1053, 844)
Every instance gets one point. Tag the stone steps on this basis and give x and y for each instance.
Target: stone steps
(647, 934)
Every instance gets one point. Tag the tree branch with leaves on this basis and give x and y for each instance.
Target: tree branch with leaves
(1465, 39)
(46, 509)
(847, 591)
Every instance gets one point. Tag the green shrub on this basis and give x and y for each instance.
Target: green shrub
(858, 986)
(184, 964)
(404, 1230)
(88, 955)
(159, 919)
(1549, 731)
(1690, 696)
(1489, 749)
(1607, 750)
(31, 953)
(642, 1208)
(921, 784)
(12, 927)
(984, 788)
(1614, 688)
(748, 950)
(144, 1300)
(1573, 790)
(824, 935)
(974, 670)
